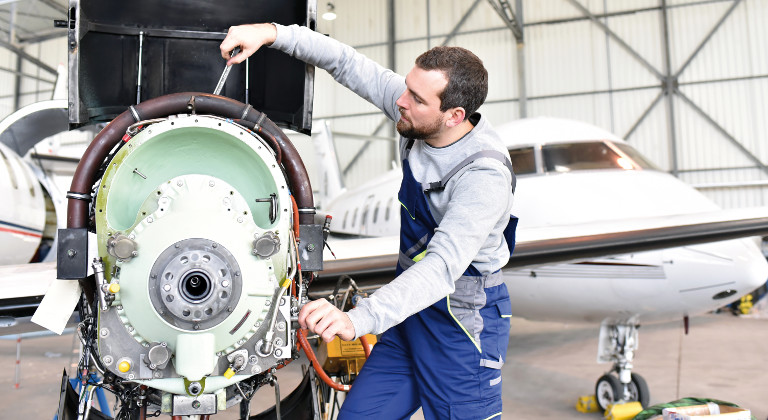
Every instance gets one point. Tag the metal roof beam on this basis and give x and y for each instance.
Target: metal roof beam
(504, 10)
(18, 51)
(723, 131)
(707, 38)
(55, 6)
(618, 39)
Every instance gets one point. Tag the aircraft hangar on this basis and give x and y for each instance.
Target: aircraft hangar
(684, 82)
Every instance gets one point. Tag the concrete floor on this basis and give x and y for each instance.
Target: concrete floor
(549, 365)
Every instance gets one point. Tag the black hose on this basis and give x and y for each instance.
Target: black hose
(86, 174)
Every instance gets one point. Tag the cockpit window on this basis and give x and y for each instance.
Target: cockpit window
(582, 156)
(523, 161)
(635, 156)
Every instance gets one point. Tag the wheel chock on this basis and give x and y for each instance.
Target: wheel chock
(623, 411)
(587, 404)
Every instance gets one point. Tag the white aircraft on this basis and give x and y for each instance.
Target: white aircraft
(21, 224)
(586, 193)
(34, 206)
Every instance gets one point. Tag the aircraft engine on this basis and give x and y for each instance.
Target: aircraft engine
(195, 204)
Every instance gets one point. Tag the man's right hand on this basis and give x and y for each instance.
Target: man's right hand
(249, 38)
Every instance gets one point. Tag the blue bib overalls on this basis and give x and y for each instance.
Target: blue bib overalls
(446, 358)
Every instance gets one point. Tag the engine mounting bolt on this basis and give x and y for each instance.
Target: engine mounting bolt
(104, 332)
(253, 359)
(107, 360)
(311, 247)
(278, 353)
(281, 326)
(167, 287)
(225, 283)
(195, 404)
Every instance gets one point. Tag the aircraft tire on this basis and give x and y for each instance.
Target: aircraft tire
(608, 390)
(638, 389)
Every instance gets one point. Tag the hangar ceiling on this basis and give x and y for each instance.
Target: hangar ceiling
(682, 79)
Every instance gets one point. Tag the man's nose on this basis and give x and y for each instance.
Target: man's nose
(401, 101)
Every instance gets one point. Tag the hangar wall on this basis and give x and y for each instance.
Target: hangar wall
(685, 81)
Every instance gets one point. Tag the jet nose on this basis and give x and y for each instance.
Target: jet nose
(717, 273)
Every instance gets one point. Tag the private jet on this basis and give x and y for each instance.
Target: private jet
(587, 193)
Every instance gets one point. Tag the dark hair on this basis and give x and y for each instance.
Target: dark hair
(467, 78)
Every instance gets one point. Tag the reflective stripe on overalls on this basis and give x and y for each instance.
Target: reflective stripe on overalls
(446, 358)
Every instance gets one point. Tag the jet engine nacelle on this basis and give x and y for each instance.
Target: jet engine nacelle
(197, 246)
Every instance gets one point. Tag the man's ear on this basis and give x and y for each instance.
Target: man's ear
(455, 116)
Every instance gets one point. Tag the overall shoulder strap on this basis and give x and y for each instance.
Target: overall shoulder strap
(493, 154)
(408, 147)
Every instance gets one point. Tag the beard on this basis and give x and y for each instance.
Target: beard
(409, 131)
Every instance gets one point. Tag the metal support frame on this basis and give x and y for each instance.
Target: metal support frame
(514, 22)
(18, 51)
(669, 79)
(384, 120)
(670, 85)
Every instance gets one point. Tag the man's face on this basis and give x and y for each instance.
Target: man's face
(420, 115)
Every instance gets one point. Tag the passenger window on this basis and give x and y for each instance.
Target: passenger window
(376, 212)
(386, 212)
(354, 218)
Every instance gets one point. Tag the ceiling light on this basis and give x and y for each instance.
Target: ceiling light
(330, 13)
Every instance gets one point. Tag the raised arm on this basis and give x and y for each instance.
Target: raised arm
(365, 77)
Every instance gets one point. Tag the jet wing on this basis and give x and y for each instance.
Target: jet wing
(373, 259)
(551, 244)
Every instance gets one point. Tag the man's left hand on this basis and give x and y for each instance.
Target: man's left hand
(326, 320)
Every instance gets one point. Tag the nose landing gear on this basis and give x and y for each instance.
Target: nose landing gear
(618, 343)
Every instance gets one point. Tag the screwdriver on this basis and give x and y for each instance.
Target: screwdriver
(225, 74)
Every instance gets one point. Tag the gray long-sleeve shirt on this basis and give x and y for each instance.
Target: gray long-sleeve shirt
(472, 211)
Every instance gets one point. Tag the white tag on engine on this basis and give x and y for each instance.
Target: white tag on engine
(57, 305)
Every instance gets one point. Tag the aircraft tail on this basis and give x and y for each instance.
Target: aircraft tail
(327, 163)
